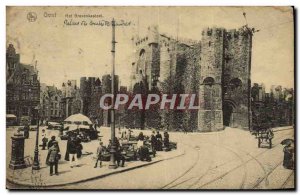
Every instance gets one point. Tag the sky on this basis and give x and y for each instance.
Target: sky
(72, 51)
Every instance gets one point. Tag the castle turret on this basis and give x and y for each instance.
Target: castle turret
(210, 115)
(153, 35)
(236, 77)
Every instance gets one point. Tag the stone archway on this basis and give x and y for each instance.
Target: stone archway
(228, 110)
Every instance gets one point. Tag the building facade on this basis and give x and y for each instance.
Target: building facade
(22, 88)
(50, 101)
(107, 89)
(71, 102)
(216, 67)
(90, 92)
(272, 109)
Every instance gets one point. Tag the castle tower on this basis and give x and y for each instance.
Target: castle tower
(154, 54)
(236, 78)
(12, 59)
(145, 66)
(210, 115)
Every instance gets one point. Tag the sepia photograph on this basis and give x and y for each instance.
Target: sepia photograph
(162, 98)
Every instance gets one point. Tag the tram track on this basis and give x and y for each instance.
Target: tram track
(186, 180)
(205, 173)
(265, 176)
(252, 158)
(188, 170)
(243, 164)
(286, 181)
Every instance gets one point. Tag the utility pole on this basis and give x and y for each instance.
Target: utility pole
(36, 163)
(112, 163)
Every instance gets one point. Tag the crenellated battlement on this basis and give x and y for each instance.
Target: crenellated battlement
(216, 67)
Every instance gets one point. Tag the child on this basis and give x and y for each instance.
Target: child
(99, 153)
(44, 140)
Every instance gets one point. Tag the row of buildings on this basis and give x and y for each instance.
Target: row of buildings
(22, 89)
(272, 109)
(25, 95)
(58, 104)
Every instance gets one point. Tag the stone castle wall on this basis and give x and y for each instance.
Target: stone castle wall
(217, 69)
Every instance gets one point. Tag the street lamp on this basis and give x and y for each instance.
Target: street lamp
(36, 163)
(112, 163)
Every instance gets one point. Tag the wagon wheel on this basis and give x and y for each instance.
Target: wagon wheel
(270, 143)
(259, 142)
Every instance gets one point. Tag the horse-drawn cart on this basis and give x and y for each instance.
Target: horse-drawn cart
(265, 136)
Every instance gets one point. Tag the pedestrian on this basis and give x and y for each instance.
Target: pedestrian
(166, 141)
(43, 133)
(141, 136)
(143, 151)
(288, 159)
(96, 124)
(79, 150)
(124, 134)
(61, 130)
(49, 145)
(44, 142)
(67, 155)
(26, 131)
(185, 131)
(159, 141)
(129, 134)
(54, 157)
(153, 141)
(117, 143)
(99, 153)
(119, 157)
(72, 148)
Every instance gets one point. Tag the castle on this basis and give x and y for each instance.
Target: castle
(217, 69)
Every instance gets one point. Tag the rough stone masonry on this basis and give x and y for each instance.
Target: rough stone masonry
(217, 69)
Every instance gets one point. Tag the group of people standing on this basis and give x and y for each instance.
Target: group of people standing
(157, 142)
(119, 158)
(74, 150)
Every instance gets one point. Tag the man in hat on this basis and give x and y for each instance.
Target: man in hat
(166, 141)
(153, 141)
(54, 157)
(100, 151)
(44, 139)
(50, 144)
(26, 131)
(159, 141)
(72, 148)
(129, 134)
